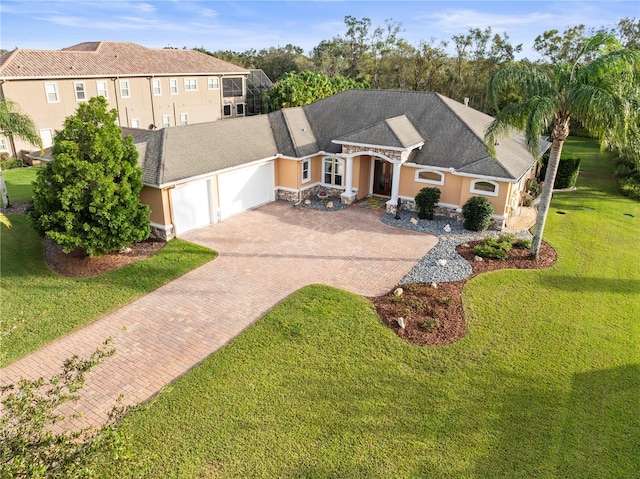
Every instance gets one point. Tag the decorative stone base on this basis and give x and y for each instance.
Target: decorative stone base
(290, 196)
(162, 233)
(442, 212)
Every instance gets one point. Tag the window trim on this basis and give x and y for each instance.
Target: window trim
(217, 83)
(50, 133)
(75, 90)
(106, 88)
(184, 117)
(166, 124)
(306, 168)
(334, 160)
(173, 82)
(244, 109)
(153, 86)
(128, 88)
(188, 81)
(485, 192)
(430, 182)
(55, 92)
(136, 120)
(3, 145)
(224, 107)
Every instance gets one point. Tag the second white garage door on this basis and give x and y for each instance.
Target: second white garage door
(245, 188)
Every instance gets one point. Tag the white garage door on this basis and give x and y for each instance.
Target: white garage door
(245, 188)
(191, 204)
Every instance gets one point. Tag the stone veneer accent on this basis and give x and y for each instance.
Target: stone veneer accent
(162, 234)
(445, 213)
(350, 149)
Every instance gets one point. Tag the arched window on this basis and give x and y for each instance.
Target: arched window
(485, 187)
(430, 176)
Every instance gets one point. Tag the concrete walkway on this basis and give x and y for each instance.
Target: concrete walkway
(264, 255)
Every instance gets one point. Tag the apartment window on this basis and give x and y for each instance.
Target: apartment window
(333, 171)
(124, 89)
(52, 92)
(3, 144)
(135, 123)
(78, 87)
(173, 86)
(306, 171)
(231, 87)
(484, 187)
(240, 109)
(184, 118)
(101, 87)
(430, 176)
(157, 88)
(190, 84)
(166, 121)
(226, 110)
(213, 83)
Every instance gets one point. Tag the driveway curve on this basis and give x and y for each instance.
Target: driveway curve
(264, 255)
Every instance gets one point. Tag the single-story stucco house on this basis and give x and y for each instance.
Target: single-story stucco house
(354, 144)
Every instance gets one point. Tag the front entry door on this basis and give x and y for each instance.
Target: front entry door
(382, 174)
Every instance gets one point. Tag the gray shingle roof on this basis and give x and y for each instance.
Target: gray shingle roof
(394, 133)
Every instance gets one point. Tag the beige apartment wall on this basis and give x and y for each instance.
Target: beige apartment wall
(449, 192)
(499, 202)
(316, 169)
(201, 105)
(288, 173)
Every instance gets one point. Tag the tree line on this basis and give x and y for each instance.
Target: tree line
(379, 57)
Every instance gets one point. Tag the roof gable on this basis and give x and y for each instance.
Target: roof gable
(397, 133)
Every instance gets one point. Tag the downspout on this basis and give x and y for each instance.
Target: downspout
(115, 93)
(153, 107)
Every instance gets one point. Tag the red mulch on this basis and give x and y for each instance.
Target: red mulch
(434, 316)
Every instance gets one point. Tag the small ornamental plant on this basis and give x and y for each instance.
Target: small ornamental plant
(477, 213)
(426, 201)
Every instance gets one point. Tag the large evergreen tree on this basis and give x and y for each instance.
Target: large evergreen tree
(88, 197)
(600, 88)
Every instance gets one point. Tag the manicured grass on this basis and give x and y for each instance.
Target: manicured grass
(546, 384)
(18, 183)
(39, 305)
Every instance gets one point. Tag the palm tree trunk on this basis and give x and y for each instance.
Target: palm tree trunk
(3, 191)
(545, 196)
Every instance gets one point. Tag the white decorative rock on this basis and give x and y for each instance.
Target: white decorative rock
(307, 202)
(401, 322)
(126, 250)
(398, 292)
(330, 204)
(478, 258)
(442, 262)
(413, 221)
(434, 285)
(447, 229)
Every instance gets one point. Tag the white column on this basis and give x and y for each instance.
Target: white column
(348, 187)
(395, 184)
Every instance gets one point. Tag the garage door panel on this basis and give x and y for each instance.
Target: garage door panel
(191, 203)
(245, 188)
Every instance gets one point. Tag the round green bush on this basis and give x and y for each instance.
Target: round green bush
(426, 201)
(477, 213)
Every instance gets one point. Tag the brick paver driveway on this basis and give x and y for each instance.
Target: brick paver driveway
(264, 255)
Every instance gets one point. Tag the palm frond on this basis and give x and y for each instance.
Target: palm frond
(525, 79)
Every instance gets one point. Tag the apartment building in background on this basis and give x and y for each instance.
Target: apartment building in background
(150, 88)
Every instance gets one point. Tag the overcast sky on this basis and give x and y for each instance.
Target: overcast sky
(241, 25)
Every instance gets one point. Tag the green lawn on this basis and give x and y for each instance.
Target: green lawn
(39, 305)
(546, 384)
(18, 183)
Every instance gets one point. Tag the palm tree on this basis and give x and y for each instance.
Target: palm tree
(600, 89)
(15, 124)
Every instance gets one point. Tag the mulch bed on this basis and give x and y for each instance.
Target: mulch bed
(434, 316)
(78, 265)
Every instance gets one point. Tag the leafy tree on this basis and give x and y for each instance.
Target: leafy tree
(562, 48)
(628, 30)
(32, 445)
(601, 93)
(15, 124)
(299, 89)
(88, 197)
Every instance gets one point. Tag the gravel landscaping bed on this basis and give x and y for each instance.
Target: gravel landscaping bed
(442, 263)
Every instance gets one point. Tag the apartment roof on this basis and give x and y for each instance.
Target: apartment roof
(106, 59)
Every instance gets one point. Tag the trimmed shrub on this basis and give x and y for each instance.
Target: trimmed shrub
(426, 201)
(522, 244)
(533, 187)
(477, 213)
(11, 163)
(495, 247)
(568, 170)
(628, 177)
